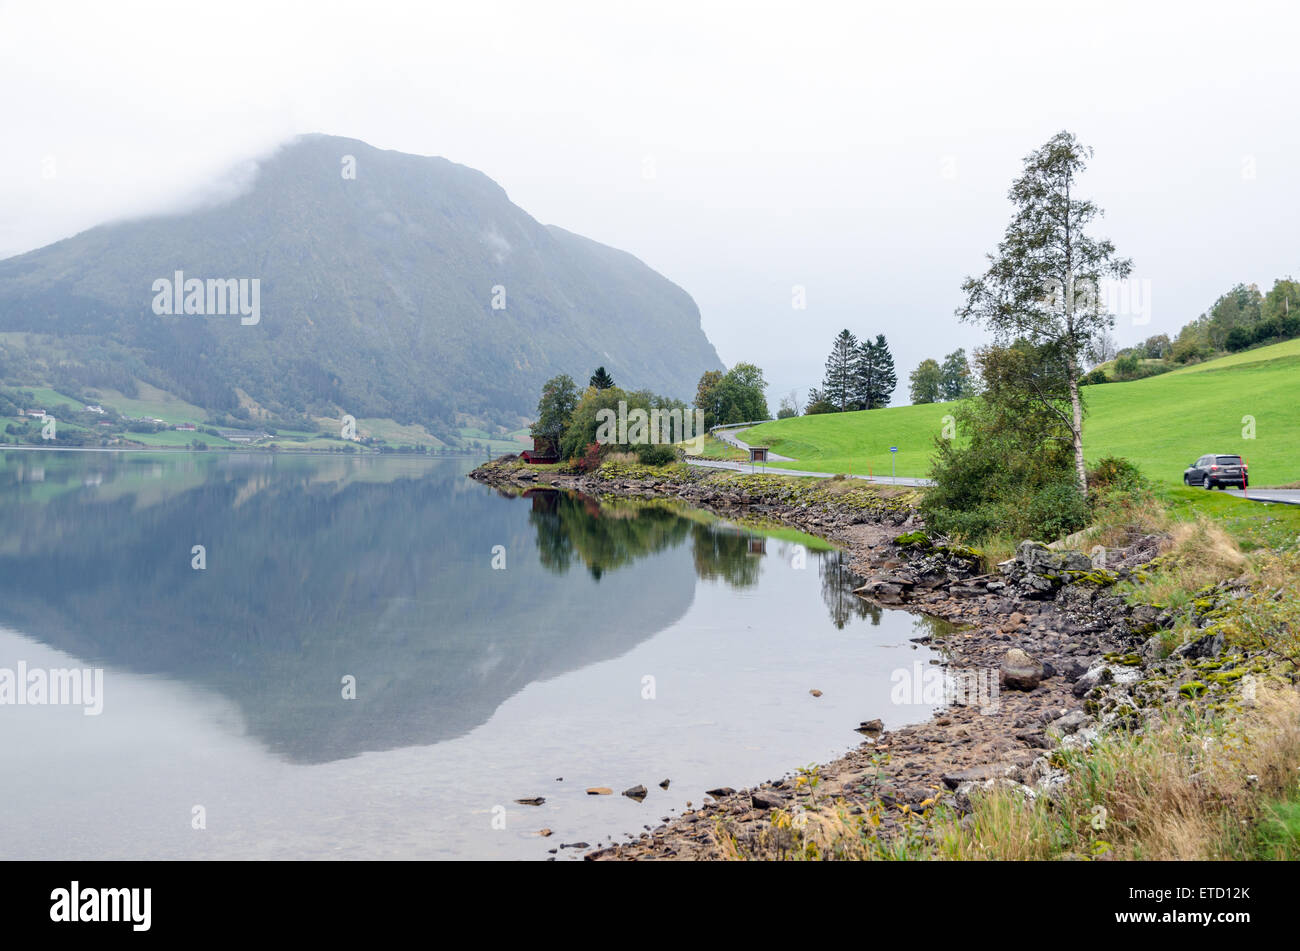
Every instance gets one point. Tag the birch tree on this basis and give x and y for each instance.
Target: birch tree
(1043, 283)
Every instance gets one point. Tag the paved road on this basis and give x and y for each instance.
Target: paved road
(731, 437)
(746, 467)
(1288, 496)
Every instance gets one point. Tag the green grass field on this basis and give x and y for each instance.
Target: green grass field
(1252, 525)
(50, 400)
(1161, 423)
(152, 403)
(174, 437)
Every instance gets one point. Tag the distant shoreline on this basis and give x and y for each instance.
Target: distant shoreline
(268, 451)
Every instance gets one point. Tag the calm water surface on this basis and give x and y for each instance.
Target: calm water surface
(611, 645)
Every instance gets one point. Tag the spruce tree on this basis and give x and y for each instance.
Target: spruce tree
(838, 387)
(874, 374)
(886, 375)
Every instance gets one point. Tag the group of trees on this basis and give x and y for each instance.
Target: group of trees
(1240, 318)
(569, 420)
(859, 375)
(737, 396)
(934, 382)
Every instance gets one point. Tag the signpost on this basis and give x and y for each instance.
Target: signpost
(893, 474)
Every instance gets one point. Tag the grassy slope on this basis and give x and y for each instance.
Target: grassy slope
(1161, 423)
(153, 403)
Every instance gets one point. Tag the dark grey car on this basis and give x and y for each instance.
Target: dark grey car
(1217, 472)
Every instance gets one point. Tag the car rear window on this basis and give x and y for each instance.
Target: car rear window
(1229, 460)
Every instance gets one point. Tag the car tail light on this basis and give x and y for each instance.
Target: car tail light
(1212, 468)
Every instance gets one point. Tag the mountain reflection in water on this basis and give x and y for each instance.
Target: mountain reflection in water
(378, 568)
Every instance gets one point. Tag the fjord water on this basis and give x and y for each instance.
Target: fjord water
(502, 647)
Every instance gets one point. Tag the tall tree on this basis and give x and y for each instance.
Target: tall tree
(874, 377)
(838, 384)
(956, 376)
(601, 379)
(886, 375)
(1043, 283)
(1283, 301)
(925, 384)
(705, 396)
(559, 397)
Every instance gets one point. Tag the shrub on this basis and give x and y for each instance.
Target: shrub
(1114, 471)
(590, 459)
(1239, 338)
(1127, 366)
(1056, 510)
(656, 455)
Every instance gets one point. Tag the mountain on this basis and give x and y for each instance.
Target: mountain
(375, 297)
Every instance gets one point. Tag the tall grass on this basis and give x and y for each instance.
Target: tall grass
(1191, 787)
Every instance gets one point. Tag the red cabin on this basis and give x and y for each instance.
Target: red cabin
(542, 453)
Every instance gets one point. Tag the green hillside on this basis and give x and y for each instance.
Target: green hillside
(1161, 423)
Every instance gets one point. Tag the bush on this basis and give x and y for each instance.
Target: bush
(1239, 338)
(656, 455)
(1013, 475)
(1054, 511)
(818, 408)
(1114, 471)
(1047, 513)
(590, 460)
(1126, 366)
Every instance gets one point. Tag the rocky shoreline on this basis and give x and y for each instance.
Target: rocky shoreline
(1065, 657)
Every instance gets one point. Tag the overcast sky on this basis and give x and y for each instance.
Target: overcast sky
(859, 150)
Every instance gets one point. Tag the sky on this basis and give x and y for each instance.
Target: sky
(856, 155)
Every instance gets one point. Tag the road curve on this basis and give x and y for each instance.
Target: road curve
(731, 438)
(746, 467)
